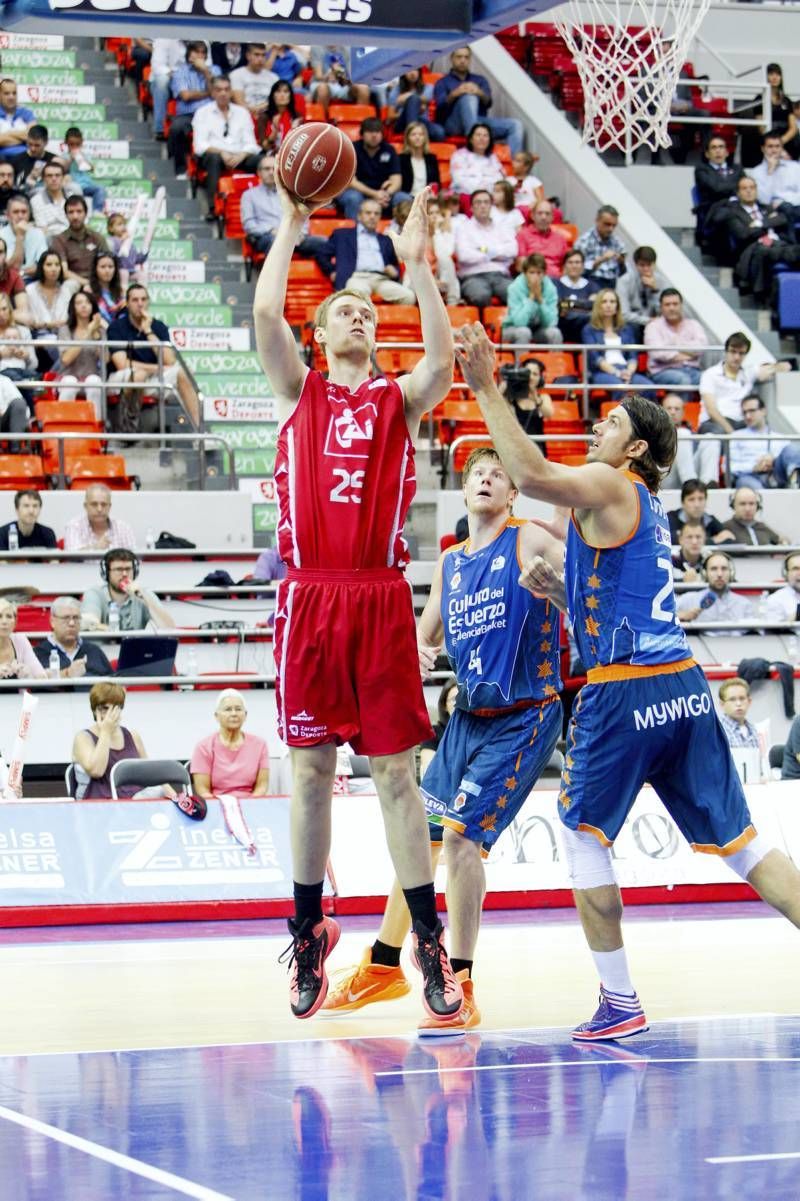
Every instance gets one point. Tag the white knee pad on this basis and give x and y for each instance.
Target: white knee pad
(588, 862)
(742, 862)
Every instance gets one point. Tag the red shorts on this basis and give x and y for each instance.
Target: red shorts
(346, 661)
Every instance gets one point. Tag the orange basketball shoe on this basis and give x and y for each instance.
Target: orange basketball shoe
(467, 1018)
(365, 984)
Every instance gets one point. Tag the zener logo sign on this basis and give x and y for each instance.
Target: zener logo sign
(162, 855)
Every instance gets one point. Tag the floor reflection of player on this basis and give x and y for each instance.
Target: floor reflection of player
(645, 713)
(502, 642)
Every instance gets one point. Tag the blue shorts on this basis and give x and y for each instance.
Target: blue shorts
(661, 730)
(484, 769)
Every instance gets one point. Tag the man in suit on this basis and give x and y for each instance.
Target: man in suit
(715, 180)
(362, 260)
(761, 237)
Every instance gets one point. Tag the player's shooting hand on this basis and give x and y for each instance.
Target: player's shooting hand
(476, 356)
(540, 578)
(427, 659)
(412, 242)
(291, 207)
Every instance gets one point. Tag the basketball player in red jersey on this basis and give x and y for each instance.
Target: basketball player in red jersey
(345, 640)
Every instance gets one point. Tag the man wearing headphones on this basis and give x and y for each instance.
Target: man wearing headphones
(138, 607)
(716, 602)
(784, 605)
(745, 524)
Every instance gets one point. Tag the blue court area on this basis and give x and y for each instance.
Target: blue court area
(694, 1110)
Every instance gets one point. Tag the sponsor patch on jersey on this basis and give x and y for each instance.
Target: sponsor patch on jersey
(302, 716)
(456, 580)
(498, 563)
(459, 801)
(663, 535)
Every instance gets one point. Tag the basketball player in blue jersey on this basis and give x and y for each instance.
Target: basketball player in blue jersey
(502, 642)
(645, 714)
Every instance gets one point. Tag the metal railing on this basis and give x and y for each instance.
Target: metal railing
(62, 436)
(726, 86)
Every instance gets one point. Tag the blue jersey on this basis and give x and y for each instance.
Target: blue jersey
(620, 599)
(501, 641)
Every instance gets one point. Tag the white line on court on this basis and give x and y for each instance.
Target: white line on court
(753, 1158)
(176, 1183)
(583, 1063)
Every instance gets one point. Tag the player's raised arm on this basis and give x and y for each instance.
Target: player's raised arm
(593, 486)
(430, 630)
(275, 341)
(432, 377)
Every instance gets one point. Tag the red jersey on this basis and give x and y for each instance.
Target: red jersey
(344, 476)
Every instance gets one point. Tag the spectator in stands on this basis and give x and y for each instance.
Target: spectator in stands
(463, 98)
(17, 660)
(223, 139)
(95, 528)
(528, 188)
(78, 244)
(14, 122)
(81, 169)
(228, 56)
(261, 214)
(407, 104)
(736, 700)
(717, 602)
(445, 708)
(723, 387)
(778, 178)
(136, 363)
(49, 204)
(76, 658)
(48, 300)
(694, 499)
(476, 165)
(230, 761)
(683, 466)
(784, 604)
(26, 244)
(687, 559)
(167, 55)
(6, 183)
(782, 120)
(604, 252)
(532, 305)
(129, 259)
(138, 606)
(484, 251)
(716, 180)
(575, 296)
(80, 365)
(191, 87)
(105, 285)
(760, 237)
(790, 768)
(331, 79)
(14, 416)
(606, 329)
(664, 334)
(284, 112)
(377, 175)
(745, 525)
(363, 260)
(418, 167)
(759, 459)
(28, 167)
(28, 507)
(286, 64)
(252, 84)
(639, 290)
(443, 240)
(12, 287)
(17, 355)
(503, 207)
(532, 410)
(537, 236)
(95, 751)
(269, 566)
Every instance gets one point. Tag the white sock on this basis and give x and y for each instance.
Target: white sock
(612, 967)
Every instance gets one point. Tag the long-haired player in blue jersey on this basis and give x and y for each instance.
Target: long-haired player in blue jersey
(645, 713)
(502, 642)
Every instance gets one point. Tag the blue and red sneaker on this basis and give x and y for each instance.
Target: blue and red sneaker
(307, 952)
(619, 1015)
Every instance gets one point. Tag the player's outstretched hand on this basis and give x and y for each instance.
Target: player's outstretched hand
(427, 659)
(411, 243)
(291, 206)
(540, 578)
(557, 526)
(476, 356)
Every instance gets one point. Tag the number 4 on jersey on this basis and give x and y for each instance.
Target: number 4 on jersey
(475, 661)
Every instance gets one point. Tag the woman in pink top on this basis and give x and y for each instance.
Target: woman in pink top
(16, 653)
(230, 761)
(475, 165)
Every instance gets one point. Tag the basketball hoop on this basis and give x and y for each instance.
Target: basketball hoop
(629, 58)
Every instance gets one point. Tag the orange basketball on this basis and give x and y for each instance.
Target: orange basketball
(316, 162)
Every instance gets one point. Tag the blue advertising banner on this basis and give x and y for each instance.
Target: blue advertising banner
(68, 853)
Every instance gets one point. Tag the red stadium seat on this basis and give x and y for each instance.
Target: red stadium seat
(22, 471)
(110, 470)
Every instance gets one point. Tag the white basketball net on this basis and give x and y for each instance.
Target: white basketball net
(629, 56)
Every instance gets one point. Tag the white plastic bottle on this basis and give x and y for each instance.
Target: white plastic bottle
(54, 665)
(113, 617)
(150, 538)
(13, 537)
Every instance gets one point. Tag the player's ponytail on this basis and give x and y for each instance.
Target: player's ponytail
(651, 424)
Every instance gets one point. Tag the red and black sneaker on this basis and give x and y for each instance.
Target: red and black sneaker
(307, 952)
(442, 994)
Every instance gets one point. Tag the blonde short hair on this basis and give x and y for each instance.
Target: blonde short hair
(321, 315)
